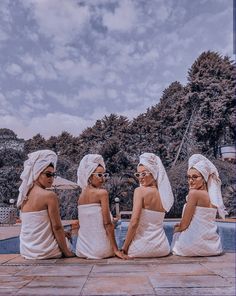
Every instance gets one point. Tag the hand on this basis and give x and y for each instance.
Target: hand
(121, 255)
(68, 234)
(177, 228)
(69, 254)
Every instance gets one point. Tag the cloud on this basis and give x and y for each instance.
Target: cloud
(13, 69)
(123, 18)
(60, 20)
(47, 125)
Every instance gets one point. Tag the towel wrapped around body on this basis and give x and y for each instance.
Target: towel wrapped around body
(150, 239)
(201, 237)
(36, 237)
(92, 242)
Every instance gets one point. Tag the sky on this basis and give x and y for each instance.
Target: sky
(66, 63)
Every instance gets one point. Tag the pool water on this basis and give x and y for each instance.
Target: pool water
(226, 231)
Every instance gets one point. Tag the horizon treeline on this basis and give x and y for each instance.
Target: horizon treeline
(194, 118)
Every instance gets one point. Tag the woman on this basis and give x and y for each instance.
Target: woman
(196, 234)
(42, 235)
(96, 239)
(154, 197)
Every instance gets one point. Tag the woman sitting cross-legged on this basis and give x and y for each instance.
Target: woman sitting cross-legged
(96, 238)
(154, 197)
(196, 234)
(42, 235)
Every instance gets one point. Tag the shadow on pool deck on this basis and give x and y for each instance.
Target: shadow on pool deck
(170, 275)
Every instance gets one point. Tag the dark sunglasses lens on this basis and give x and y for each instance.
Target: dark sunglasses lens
(49, 175)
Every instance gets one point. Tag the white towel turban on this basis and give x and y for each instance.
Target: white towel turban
(37, 161)
(154, 165)
(211, 176)
(87, 166)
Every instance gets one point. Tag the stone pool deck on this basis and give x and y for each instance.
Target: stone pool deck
(171, 275)
(167, 276)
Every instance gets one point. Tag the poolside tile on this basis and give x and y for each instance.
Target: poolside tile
(134, 284)
(57, 270)
(58, 282)
(49, 291)
(10, 270)
(6, 257)
(224, 269)
(182, 269)
(226, 291)
(120, 268)
(176, 281)
(21, 261)
(8, 292)
(77, 260)
(11, 282)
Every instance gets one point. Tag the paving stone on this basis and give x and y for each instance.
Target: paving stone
(225, 269)
(182, 269)
(7, 257)
(134, 284)
(77, 260)
(176, 281)
(49, 291)
(8, 292)
(21, 261)
(11, 282)
(225, 291)
(120, 268)
(10, 270)
(229, 257)
(58, 282)
(57, 270)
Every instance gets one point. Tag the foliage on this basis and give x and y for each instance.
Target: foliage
(208, 99)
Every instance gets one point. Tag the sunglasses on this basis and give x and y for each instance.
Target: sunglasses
(193, 178)
(101, 175)
(141, 175)
(50, 175)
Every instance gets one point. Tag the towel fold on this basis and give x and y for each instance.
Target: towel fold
(201, 237)
(150, 239)
(36, 237)
(92, 242)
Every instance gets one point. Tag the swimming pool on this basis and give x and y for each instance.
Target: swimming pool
(226, 231)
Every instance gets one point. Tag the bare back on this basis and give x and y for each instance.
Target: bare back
(151, 199)
(37, 199)
(90, 195)
(202, 198)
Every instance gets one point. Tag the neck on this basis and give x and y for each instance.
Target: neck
(39, 184)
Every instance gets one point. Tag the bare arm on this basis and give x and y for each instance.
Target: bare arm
(57, 228)
(109, 227)
(136, 212)
(188, 213)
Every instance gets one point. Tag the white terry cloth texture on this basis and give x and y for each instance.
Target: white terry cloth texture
(92, 242)
(37, 161)
(87, 166)
(154, 165)
(150, 239)
(201, 237)
(36, 237)
(211, 176)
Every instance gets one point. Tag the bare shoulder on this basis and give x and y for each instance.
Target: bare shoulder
(140, 192)
(50, 195)
(195, 195)
(102, 193)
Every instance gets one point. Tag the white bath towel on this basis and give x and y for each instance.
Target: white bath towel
(150, 239)
(36, 237)
(92, 242)
(201, 237)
